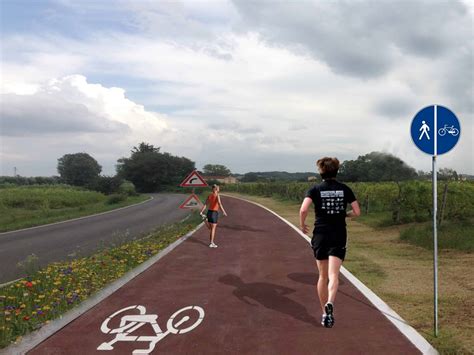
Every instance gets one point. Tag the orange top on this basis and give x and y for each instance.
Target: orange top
(213, 200)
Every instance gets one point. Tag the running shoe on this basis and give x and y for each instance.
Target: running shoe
(329, 321)
(323, 320)
(211, 245)
(214, 245)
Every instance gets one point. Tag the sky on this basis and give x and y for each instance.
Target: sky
(253, 85)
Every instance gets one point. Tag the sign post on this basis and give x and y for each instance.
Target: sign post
(431, 139)
(194, 179)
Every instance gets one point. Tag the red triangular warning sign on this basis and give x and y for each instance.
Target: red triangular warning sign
(194, 179)
(192, 202)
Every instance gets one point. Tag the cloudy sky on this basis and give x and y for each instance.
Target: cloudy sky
(256, 86)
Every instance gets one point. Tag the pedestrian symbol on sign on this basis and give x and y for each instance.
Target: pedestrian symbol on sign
(424, 130)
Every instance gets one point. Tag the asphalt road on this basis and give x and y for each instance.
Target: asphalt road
(84, 236)
(254, 294)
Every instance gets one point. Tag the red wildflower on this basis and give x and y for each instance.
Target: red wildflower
(28, 284)
(26, 318)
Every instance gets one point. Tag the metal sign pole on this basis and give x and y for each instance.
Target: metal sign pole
(427, 120)
(435, 214)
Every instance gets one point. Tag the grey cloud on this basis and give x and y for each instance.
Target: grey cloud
(395, 107)
(361, 38)
(232, 126)
(26, 115)
(458, 80)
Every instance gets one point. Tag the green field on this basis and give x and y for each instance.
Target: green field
(28, 206)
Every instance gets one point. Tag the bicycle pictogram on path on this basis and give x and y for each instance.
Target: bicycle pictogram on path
(132, 322)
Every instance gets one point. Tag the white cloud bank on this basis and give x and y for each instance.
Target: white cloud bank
(69, 115)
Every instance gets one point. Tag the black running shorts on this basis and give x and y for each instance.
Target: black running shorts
(329, 241)
(212, 216)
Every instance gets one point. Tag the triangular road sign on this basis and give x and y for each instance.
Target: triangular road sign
(194, 179)
(192, 202)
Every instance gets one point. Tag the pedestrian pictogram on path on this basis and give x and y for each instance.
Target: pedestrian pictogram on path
(194, 179)
(132, 322)
(192, 202)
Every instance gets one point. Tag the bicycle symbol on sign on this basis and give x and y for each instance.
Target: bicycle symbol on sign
(132, 322)
(448, 129)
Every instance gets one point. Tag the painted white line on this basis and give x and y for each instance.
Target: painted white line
(31, 340)
(76, 219)
(416, 338)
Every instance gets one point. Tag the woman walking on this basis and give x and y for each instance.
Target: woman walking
(329, 240)
(213, 203)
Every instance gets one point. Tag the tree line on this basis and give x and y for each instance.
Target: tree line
(148, 169)
(371, 167)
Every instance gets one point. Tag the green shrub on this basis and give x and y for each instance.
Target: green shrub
(116, 198)
(128, 188)
(107, 184)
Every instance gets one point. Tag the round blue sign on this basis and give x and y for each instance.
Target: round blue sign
(447, 132)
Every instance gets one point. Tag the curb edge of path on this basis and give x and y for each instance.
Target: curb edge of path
(408, 331)
(77, 218)
(30, 341)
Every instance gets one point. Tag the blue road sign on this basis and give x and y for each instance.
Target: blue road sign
(447, 129)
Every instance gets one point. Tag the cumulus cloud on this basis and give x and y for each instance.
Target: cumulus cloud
(72, 105)
(69, 115)
(43, 113)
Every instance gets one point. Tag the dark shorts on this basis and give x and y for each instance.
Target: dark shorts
(212, 216)
(329, 242)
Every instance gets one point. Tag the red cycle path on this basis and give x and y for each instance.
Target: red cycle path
(257, 291)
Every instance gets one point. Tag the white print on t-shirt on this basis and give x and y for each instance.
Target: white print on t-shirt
(332, 201)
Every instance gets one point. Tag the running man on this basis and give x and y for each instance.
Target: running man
(329, 241)
(213, 203)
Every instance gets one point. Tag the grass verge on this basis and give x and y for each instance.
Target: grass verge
(451, 235)
(23, 207)
(44, 295)
(401, 274)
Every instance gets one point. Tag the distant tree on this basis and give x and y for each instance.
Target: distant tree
(376, 166)
(216, 169)
(79, 169)
(150, 170)
(249, 177)
(108, 184)
(447, 174)
(145, 148)
(423, 175)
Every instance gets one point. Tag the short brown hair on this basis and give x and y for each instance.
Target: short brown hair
(328, 167)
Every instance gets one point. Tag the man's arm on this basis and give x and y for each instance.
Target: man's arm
(355, 210)
(304, 213)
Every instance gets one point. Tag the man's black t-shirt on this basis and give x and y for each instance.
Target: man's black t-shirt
(330, 200)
